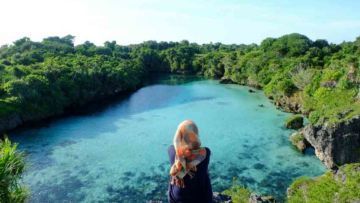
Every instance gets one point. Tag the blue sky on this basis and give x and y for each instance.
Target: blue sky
(201, 21)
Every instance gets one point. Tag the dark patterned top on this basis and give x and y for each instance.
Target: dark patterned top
(197, 189)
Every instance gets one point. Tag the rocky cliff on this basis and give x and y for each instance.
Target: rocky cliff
(336, 144)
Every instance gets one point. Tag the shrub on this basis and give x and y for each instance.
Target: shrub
(238, 194)
(340, 187)
(329, 74)
(280, 85)
(12, 166)
(331, 105)
(302, 77)
(294, 122)
(314, 117)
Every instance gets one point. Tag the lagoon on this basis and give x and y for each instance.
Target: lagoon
(119, 153)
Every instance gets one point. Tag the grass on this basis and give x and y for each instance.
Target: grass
(344, 187)
(238, 194)
(331, 105)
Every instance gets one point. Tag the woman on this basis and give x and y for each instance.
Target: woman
(189, 177)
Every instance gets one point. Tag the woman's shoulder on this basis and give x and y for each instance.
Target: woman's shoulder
(207, 158)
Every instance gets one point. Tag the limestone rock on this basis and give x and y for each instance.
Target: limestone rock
(290, 103)
(298, 140)
(335, 144)
(225, 80)
(254, 198)
(221, 198)
(329, 84)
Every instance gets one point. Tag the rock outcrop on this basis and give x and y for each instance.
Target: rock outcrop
(298, 140)
(225, 80)
(221, 198)
(335, 144)
(290, 104)
(294, 122)
(255, 198)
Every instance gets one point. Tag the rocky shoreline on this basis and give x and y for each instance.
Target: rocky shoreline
(253, 198)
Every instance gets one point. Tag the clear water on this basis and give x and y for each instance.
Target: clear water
(119, 154)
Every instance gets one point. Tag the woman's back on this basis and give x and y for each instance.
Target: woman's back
(197, 188)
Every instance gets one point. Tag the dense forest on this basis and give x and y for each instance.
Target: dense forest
(42, 79)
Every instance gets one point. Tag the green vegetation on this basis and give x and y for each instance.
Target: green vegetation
(294, 122)
(41, 79)
(11, 168)
(297, 137)
(344, 186)
(298, 140)
(238, 194)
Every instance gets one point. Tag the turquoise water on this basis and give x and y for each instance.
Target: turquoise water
(119, 154)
